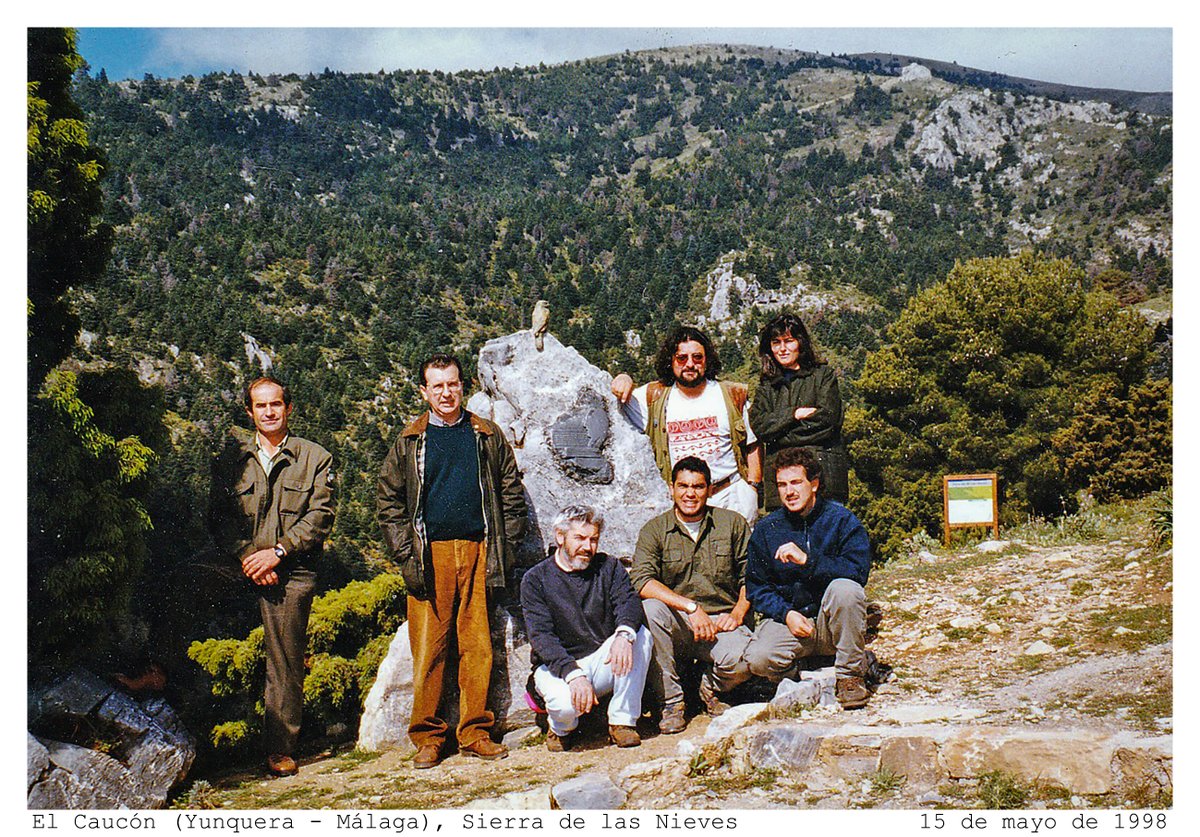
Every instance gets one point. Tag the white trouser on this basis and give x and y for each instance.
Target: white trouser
(738, 496)
(626, 705)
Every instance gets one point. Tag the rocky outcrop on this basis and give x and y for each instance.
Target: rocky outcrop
(572, 443)
(1082, 761)
(915, 72)
(93, 746)
(975, 124)
(588, 792)
(731, 299)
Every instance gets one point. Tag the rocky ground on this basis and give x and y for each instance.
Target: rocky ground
(1031, 672)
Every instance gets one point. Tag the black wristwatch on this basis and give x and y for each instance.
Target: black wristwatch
(280, 552)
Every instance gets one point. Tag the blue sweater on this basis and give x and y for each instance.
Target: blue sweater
(836, 545)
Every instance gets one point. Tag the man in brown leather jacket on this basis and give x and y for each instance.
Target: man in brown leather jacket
(272, 508)
(452, 508)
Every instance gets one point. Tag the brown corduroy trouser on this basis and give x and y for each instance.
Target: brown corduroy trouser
(457, 602)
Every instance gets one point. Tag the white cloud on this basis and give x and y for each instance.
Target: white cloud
(1134, 59)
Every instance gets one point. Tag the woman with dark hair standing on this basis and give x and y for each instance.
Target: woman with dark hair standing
(797, 405)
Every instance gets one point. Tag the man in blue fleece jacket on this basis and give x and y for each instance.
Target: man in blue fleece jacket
(807, 566)
(586, 632)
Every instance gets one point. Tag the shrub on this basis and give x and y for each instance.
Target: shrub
(87, 522)
(348, 635)
(1006, 366)
(345, 620)
(1118, 443)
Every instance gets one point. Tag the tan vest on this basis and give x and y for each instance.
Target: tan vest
(656, 408)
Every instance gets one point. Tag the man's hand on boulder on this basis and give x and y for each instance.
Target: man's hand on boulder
(622, 387)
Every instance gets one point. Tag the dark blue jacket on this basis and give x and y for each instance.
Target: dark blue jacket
(836, 545)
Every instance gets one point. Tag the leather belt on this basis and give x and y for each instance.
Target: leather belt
(720, 484)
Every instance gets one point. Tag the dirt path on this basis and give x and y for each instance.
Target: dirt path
(1034, 633)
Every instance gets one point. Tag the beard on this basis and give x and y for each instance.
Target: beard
(575, 562)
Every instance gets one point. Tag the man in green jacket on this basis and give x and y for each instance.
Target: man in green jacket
(689, 567)
(452, 508)
(272, 509)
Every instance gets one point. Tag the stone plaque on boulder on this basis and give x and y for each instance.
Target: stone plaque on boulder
(577, 440)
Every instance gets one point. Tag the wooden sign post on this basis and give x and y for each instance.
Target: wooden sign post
(970, 500)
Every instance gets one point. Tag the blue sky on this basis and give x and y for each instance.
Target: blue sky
(1123, 58)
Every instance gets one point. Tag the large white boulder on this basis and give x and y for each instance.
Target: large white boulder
(571, 440)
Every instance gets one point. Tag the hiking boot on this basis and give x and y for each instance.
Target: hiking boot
(428, 755)
(280, 765)
(623, 736)
(851, 692)
(873, 621)
(556, 743)
(672, 720)
(484, 748)
(713, 705)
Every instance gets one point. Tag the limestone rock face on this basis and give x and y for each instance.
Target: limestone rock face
(388, 708)
(537, 799)
(914, 757)
(37, 760)
(915, 72)
(732, 299)
(148, 749)
(591, 791)
(971, 124)
(1078, 761)
(785, 746)
(791, 693)
(734, 717)
(652, 781)
(572, 443)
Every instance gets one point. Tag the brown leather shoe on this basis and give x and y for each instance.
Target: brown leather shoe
(281, 765)
(623, 736)
(851, 692)
(484, 748)
(713, 705)
(428, 755)
(556, 743)
(672, 720)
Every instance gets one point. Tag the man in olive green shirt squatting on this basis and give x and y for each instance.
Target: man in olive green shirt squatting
(271, 509)
(689, 567)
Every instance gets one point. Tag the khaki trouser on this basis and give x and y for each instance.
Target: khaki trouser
(285, 608)
(457, 602)
(840, 626)
(196, 590)
(673, 640)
